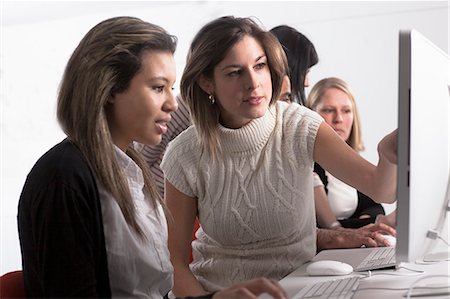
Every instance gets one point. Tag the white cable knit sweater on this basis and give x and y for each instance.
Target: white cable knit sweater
(255, 202)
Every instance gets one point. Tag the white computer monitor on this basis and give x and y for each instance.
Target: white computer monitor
(423, 146)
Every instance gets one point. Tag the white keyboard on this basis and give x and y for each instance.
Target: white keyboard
(380, 257)
(342, 288)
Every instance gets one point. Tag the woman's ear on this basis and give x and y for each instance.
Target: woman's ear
(206, 84)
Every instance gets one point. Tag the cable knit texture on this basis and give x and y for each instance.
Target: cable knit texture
(255, 201)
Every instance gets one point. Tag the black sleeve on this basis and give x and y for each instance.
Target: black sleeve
(356, 222)
(366, 206)
(61, 235)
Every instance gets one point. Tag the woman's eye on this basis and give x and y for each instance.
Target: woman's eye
(159, 88)
(260, 66)
(234, 73)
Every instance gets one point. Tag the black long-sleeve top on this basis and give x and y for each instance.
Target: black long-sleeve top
(61, 229)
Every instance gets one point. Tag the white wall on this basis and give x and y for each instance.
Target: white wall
(357, 41)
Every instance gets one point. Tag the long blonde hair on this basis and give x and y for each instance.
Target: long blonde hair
(316, 95)
(103, 64)
(209, 48)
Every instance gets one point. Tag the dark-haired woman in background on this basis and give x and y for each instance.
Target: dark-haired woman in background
(301, 55)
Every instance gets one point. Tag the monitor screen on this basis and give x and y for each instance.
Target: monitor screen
(423, 145)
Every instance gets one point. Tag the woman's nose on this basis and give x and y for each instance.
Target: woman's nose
(171, 103)
(251, 80)
(338, 117)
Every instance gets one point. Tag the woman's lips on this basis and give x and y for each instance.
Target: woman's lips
(255, 100)
(162, 126)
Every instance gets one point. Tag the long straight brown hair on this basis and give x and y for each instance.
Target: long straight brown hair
(209, 48)
(103, 64)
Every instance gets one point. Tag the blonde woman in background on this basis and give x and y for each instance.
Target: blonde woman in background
(333, 99)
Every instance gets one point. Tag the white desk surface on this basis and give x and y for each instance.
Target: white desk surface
(380, 279)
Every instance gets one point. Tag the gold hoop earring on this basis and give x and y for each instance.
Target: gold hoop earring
(211, 99)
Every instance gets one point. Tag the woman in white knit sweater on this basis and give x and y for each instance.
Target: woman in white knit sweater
(239, 169)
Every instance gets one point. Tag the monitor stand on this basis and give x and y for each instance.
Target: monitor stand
(437, 256)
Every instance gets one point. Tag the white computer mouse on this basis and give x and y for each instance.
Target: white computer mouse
(391, 239)
(328, 267)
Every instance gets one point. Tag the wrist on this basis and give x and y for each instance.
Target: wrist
(335, 225)
(379, 218)
(330, 238)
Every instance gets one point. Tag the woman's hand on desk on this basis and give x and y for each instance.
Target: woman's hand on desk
(368, 236)
(252, 289)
